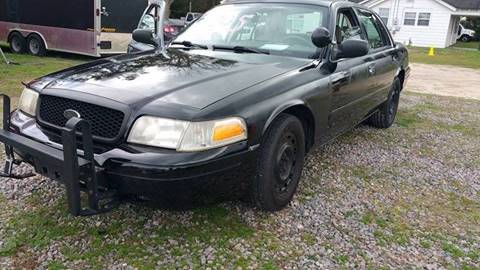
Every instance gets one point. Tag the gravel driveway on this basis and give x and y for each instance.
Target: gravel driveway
(405, 197)
(445, 80)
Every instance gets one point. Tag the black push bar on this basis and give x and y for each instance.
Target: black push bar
(77, 173)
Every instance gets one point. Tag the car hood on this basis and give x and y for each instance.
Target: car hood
(196, 79)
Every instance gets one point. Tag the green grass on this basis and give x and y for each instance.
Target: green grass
(215, 226)
(31, 67)
(468, 45)
(449, 56)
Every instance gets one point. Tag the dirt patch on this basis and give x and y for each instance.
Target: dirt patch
(445, 81)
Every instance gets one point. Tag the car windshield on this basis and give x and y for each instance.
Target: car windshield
(279, 29)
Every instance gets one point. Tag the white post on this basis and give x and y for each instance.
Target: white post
(160, 5)
(4, 57)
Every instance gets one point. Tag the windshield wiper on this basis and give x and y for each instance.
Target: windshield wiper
(241, 49)
(189, 44)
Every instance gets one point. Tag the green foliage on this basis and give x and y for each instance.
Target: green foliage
(180, 8)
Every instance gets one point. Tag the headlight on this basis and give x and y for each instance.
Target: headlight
(187, 136)
(28, 102)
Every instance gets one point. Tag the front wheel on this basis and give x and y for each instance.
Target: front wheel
(280, 165)
(387, 112)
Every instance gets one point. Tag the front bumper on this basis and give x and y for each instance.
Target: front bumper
(128, 169)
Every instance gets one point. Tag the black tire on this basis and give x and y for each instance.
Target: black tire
(36, 46)
(387, 112)
(465, 38)
(280, 164)
(17, 43)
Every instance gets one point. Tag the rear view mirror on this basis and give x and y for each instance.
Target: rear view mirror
(144, 36)
(352, 48)
(321, 37)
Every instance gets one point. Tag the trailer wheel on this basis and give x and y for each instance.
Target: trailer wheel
(17, 42)
(36, 46)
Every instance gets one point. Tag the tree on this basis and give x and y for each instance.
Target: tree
(180, 8)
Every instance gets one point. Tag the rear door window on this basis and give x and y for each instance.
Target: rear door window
(373, 30)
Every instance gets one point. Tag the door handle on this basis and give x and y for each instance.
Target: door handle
(372, 69)
(395, 58)
(341, 78)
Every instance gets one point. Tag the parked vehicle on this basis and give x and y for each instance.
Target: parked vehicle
(239, 97)
(89, 27)
(171, 28)
(191, 17)
(465, 34)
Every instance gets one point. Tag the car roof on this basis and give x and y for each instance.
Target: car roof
(310, 2)
(315, 2)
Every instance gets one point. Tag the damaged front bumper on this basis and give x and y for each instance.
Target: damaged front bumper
(125, 170)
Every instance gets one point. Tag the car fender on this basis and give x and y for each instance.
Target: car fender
(280, 109)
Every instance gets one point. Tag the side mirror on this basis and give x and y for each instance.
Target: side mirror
(352, 48)
(321, 37)
(144, 36)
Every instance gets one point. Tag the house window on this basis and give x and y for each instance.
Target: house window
(410, 18)
(423, 19)
(384, 14)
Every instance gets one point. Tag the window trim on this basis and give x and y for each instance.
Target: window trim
(429, 19)
(414, 19)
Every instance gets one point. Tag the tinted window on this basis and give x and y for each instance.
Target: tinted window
(373, 30)
(347, 26)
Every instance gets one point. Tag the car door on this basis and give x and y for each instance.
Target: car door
(349, 80)
(380, 61)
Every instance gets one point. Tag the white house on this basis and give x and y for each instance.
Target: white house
(424, 23)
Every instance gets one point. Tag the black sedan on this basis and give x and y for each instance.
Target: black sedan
(240, 97)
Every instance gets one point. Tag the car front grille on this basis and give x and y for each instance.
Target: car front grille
(106, 122)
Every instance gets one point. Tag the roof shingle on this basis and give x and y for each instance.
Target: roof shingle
(461, 4)
(464, 4)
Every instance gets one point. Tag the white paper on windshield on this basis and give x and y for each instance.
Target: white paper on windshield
(274, 47)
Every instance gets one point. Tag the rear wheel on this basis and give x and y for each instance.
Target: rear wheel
(387, 112)
(35, 45)
(280, 164)
(17, 43)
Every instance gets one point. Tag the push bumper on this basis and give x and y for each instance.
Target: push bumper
(103, 176)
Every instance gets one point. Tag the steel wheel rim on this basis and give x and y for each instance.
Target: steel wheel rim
(393, 105)
(286, 161)
(16, 46)
(34, 46)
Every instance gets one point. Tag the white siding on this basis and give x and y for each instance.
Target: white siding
(453, 30)
(436, 34)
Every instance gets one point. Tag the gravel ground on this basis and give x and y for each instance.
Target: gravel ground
(406, 197)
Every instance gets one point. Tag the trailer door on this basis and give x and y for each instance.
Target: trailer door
(119, 19)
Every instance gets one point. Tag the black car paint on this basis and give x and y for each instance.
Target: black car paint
(197, 85)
